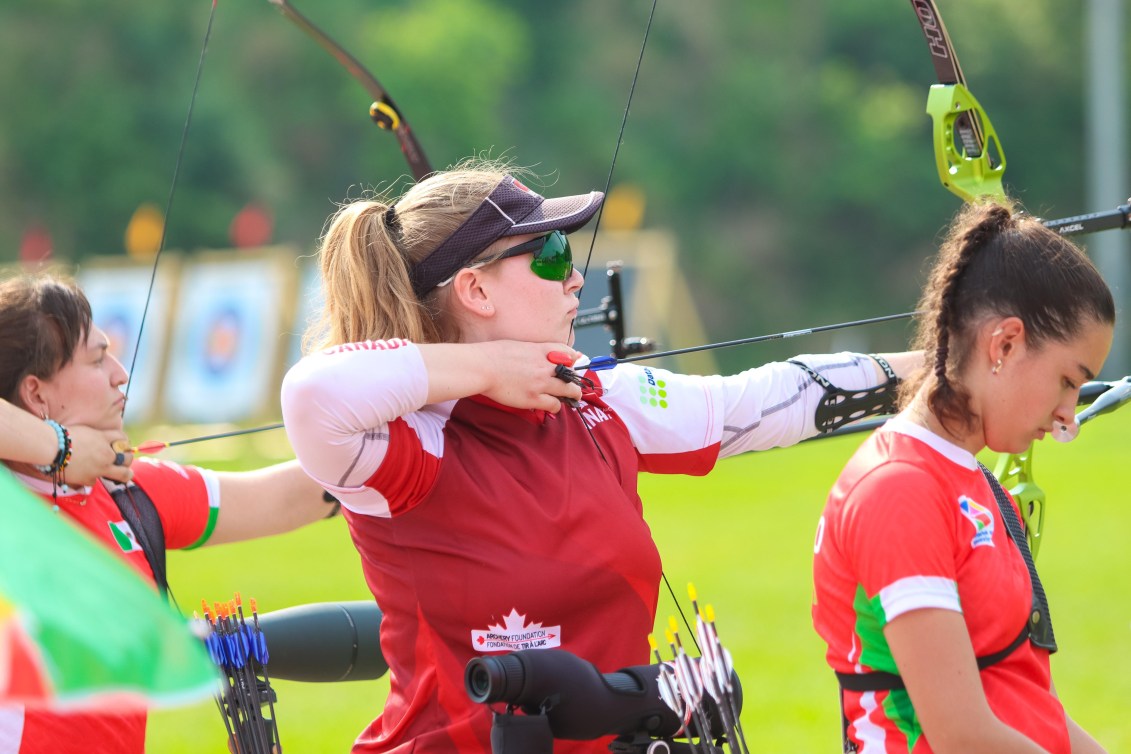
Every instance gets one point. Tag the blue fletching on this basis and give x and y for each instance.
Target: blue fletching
(237, 649)
(215, 649)
(257, 644)
(601, 363)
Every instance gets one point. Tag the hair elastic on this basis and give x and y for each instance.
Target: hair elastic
(392, 220)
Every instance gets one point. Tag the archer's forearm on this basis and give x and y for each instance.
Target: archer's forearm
(24, 438)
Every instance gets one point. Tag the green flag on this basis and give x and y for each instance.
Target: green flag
(78, 627)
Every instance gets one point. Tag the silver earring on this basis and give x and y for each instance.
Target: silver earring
(997, 367)
(486, 307)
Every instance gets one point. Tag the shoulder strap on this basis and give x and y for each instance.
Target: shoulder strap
(140, 513)
(881, 681)
(1040, 620)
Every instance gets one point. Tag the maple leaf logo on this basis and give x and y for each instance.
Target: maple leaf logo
(512, 621)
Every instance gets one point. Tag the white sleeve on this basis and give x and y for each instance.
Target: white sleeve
(774, 405)
(337, 405)
(769, 406)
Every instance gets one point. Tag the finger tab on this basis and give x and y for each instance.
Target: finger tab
(559, 357)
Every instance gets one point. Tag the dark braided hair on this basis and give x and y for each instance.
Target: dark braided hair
(996, 261)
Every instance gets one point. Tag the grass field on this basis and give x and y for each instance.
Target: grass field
(743, 535)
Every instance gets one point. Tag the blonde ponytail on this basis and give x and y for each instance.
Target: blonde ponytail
(369, 246)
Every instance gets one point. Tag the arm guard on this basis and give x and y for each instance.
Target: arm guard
(840, 407)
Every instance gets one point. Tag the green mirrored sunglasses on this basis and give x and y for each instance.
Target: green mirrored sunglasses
(553, 259)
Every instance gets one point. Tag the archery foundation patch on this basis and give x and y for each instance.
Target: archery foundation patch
(515, 634)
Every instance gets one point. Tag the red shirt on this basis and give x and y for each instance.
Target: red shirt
(910, 524)
(484, 529)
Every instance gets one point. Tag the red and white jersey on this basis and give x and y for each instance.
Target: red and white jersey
(187, 499)
(484, 529)
(911, 524)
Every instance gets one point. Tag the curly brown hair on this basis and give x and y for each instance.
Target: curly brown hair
(997, 261)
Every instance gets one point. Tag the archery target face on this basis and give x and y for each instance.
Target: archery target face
(226, 342)
(117, 296)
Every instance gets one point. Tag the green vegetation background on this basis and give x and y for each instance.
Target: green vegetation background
(785, 143)
(743, 535)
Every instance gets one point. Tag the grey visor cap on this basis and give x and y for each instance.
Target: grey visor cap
(510, 210)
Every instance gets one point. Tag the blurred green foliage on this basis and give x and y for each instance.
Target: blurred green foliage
(786, 143)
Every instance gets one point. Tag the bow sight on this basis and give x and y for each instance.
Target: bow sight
(610, 313)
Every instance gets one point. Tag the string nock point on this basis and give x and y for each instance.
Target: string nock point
(253, 607)
(602, 363)
(710, 613)
(652, 643)
(673, 626)
(691, 592)
(670, 637)
(559, 357)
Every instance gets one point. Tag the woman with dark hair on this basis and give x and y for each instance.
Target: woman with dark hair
(934, 617)
(55, 364)
(488, 517)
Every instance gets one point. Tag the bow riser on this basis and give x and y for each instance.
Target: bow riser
(969, 173)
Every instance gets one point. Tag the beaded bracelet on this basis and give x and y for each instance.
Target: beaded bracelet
(63, 457)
